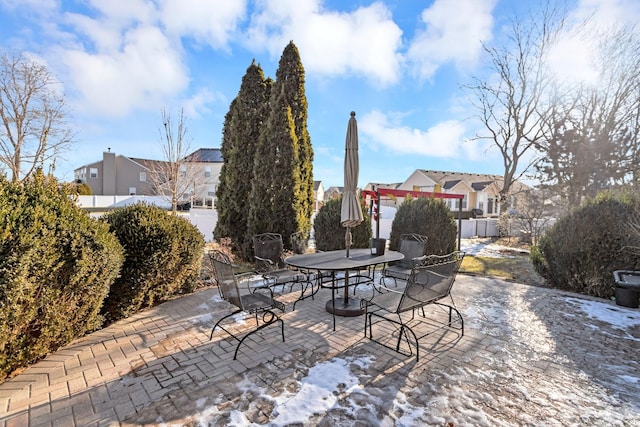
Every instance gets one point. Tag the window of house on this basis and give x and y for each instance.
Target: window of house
(132, 191)
(464, 202)
(143, 176)
(207, 172)
(183, 171)
(211, 191)
(93, 172)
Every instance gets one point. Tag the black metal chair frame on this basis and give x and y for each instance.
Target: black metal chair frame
(258, 302)
(413, 247)
(428, 284)
(268, 252)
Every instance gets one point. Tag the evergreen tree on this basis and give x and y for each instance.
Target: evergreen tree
(275, 203)
(241, 131)
(290, 76)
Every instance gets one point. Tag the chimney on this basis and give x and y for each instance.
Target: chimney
(109, 173)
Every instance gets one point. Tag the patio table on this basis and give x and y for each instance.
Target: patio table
(334, 261)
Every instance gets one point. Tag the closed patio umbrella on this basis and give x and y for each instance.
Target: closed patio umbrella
(351, 212)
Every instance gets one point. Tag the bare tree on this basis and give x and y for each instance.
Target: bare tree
(178, 175)
(33, 113)
(536, 213)
(513, 100)
(594, 133)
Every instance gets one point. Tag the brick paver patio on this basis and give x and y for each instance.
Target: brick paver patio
(524, 347)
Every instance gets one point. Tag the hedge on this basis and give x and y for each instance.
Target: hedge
(427, 216)
(163, 255)
(56, 267)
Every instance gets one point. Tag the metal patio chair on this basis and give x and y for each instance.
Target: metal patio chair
(259, 303)
(413, 247)
(268, 251)
(429, 284)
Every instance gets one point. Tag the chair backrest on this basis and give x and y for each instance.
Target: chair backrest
(430, 281)
(269, 246)
(412, 246)
(223, 271)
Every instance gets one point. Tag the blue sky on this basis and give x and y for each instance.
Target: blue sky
(399, 64)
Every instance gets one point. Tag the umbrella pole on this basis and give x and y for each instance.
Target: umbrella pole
(347, 240)
(378, 214)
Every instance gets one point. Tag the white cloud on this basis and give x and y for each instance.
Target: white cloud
(141, 74)
(35, 6)
(455, 30)
(605, 13)
(573, 58)
(445, 139)
(365, 42)
(196, 105)
(211, 22)
(128, 55)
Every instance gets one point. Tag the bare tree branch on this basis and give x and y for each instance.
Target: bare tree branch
(178, 176)
(512, 101)
(33, 113)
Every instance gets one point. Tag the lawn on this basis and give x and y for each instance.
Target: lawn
(517, 268)
(506, 258)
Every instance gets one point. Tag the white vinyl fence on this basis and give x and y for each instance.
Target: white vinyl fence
(470, 227)
(205, 219)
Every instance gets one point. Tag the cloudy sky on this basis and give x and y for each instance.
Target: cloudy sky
(399, 64)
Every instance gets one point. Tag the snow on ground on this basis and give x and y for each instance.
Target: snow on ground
(499, 393)
(485, 247)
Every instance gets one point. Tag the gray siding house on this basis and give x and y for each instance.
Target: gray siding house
(122, 175)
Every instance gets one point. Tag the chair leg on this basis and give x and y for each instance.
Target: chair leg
(272, 319)
(220, 321)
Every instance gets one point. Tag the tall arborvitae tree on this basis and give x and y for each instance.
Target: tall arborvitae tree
(275, 200)
(242, 128)
(290, 76)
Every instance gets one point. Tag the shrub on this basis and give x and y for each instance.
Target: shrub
(329, 234)
(580, 252)
(56, 266)
(427, 216)
(163, 255)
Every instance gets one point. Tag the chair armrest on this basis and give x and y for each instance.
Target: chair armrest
(263, 290)
(252, 285)
(265, 263)
(386, 289)
(419, 260)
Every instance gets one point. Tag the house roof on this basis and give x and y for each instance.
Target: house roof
(144, 162)
(338, 189)
(448, 185)
(479, 186)
(205, 155)
(443, 176)
(373, 185)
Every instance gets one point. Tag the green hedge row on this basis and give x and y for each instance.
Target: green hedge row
(58, 266)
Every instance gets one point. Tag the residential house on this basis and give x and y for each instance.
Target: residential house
(318, 195)
(481, 191)
(333, 192)
(116, 175)
(122, 175)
